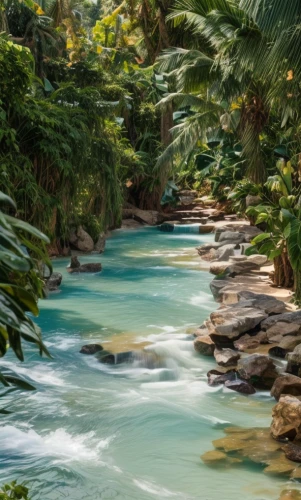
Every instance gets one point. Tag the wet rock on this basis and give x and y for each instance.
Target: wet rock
(294, 362)
(230, 322)
(204, 345)
(247, 341)
(226, 357)
(292, 452)
(213, 456)
(286, 384)
(230, 443)
(54, 281)
(286, 415)
(76, 267)
(201, 332)
(289, 317)
(106, 357)
(278, 466)
(91, 349)
(290, 494)
(100, 245)
(216, 377)
(241, 386)
(254, 366)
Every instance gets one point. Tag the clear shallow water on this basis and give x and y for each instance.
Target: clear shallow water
(93, 431)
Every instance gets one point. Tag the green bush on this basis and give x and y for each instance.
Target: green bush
(14, 491)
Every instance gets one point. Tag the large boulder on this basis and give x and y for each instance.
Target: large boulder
(232, 237)
(286, 423)
(267, 303)
(286, 384)
(294, 361)
(204, 345)
(288, 317)
(225, 252)
(149, 217)
(226, 357)
(259, 369)
(283, 329)
(230, 322)
(81, 240)
(54, 281)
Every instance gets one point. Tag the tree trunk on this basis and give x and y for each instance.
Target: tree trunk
(297, 287)
(284, 275)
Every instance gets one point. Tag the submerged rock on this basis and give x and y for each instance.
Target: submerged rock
(91, 349)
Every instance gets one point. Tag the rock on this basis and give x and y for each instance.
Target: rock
(91, 267)
(224, 252)
(106, 357)
(252, 200)
(216, 377)
(278, 466)
(260, 260)
(206, 229)
(54, 281)
(229, 323)
(149, 217)
(247, 341)
(289, 317)
(99, 246)
(283, 329)
(201, 332)
(286, 423)
(294, 361)
(81, 240)
(226, 357)
(286, 345)
(254, 366)
(204, 345)
(216, 287)
(231, 236)
(292, 452)
(91, 349)
(286, 384)
(241, 386)
(267, 303)
(217, 268)
(290, 495)
(243, 267)
(213, 456)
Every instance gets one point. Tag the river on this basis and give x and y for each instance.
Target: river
(92, 431)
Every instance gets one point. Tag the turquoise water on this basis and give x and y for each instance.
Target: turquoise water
(93, 431)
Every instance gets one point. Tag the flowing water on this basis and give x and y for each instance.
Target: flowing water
(132, 431)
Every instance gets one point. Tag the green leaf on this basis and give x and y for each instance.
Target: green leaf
(261, 237)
